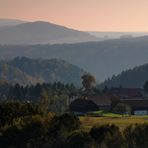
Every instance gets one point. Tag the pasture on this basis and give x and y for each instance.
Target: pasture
(109, 118)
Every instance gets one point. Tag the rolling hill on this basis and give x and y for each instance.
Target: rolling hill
(41, 33)
(102, 59)
(135, 77)
(31, 71)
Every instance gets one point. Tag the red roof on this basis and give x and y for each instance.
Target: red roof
(136, 103)
(127, 92)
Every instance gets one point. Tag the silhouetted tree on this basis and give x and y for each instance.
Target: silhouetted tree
(146, 86)
(105, 90)
(44, 101)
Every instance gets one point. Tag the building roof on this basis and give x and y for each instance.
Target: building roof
(136, 103)
(101, 100)
(127, 92)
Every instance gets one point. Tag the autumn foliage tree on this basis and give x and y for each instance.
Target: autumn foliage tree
(88, 82)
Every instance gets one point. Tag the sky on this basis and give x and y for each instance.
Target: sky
(85, 15)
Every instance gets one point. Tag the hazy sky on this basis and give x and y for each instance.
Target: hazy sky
(97, 15)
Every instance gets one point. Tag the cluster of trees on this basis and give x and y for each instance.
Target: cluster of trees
(29, 127)
(119, 107)
(53, 97)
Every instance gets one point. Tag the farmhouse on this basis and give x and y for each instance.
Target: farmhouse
(90, 103)
(136, 98)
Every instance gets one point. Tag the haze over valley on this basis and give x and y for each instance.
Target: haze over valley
(73, 73)
(102, 59)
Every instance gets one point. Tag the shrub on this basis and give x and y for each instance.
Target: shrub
(25, 132)
(61, 127)
(122, 108)
(136, 136)
(14, 109)
(80, 139)
(107, 136)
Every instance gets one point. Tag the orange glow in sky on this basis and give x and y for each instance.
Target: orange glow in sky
(89, 15)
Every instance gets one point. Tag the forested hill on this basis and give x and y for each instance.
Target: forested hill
(135, 77)
(31, 71)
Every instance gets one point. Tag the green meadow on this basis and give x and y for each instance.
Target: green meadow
(109, 118)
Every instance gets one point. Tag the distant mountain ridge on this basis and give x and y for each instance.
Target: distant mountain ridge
(102, 59)
(40, 32)
(132, 78)
(31, 71)
(106, 35)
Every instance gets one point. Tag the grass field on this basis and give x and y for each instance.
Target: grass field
(109, 118)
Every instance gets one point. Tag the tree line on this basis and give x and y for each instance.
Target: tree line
(52, 97)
